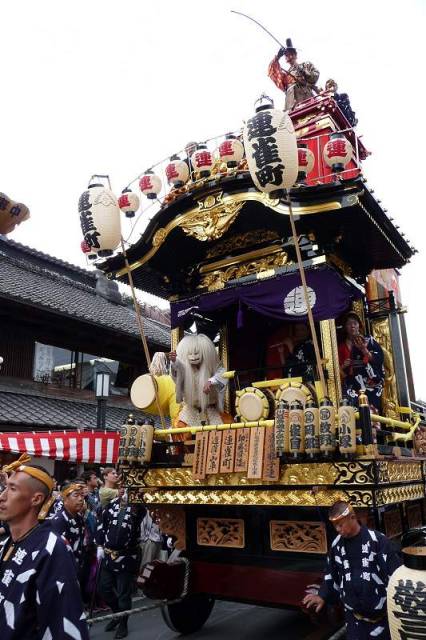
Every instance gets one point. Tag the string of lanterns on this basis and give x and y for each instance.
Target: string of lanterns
(274, 159)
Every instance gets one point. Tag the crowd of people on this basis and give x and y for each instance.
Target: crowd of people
(66, 551)
(69, 550)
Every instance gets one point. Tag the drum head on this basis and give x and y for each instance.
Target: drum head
(142, 393)
(290, 391)
(252, 405)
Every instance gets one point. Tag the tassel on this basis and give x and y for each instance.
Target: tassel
(240, 317)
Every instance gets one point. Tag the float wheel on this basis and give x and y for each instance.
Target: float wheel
(189, 615)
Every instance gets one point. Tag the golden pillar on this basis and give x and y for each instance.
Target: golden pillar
(381, 332)
(176, 337)
(331, 357)
(224, 357)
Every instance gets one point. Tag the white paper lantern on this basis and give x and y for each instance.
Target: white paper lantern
(177, 172)
(202, 161)
(100, 219)
(231, 151)
(128, 203)
(337, 152)
(150, 185)
(271, 149)
(306, 161)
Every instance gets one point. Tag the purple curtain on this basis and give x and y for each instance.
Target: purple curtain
(280, 297)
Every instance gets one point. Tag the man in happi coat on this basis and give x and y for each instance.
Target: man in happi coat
(69, 523)
(298, 82)
(359, 565)
(118, 538)
(39, 593)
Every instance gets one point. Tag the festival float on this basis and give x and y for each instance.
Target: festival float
(269, 245)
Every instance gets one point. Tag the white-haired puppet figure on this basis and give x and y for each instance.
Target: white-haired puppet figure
(197, 372)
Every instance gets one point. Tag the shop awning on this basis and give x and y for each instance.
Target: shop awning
(71, 446)
(279, 297)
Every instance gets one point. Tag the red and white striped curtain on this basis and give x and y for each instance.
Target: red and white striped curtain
(74, 446)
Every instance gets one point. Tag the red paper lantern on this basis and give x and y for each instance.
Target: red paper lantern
(150, 185)
(177, 172)
(306, 161)
(85, 247)
(202, 161)
(337, 152)
(231, 151)
(128, 203)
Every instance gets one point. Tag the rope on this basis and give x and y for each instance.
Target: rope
(154, 605)
(306, 296)
(142, 333)
(132, 612)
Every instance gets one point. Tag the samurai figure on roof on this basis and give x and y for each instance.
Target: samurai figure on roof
(298, 82)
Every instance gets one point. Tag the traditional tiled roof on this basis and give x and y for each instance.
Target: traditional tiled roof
(24, 411)
(39, 280)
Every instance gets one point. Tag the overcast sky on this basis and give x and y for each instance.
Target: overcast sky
(101, 86)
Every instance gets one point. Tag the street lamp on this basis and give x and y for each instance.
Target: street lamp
(102, 393)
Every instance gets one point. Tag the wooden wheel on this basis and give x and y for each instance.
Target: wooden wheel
(189, 615)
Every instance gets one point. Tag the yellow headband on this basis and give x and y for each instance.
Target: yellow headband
(19, 465)
(72, 487)
(344, 513)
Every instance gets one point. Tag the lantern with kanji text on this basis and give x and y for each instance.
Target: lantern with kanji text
(202, 161)
(177, 172)
(100, 219)
(150, 185)
(11, 214)
(231, 151)
(271, 148)
(128, 203)
(337, 152)
(306, 161)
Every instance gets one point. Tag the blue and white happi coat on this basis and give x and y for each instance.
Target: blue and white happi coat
(119, 532)
(365, 605)
(71, 529)
(39, 593)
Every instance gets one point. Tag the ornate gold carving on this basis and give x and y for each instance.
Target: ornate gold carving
(313, 473)
(297, 497)
(393, 523)
(391, 495)
(172, 523)
(220, 532)
(212, 218)
(331, 357)
(241, 241)
(159, 237)
(381, 332)
(272, 203)
(298, 536)
(419, 441)
(218, 278)
(392, 471)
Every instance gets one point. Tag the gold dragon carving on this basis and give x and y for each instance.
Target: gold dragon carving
(212, 218)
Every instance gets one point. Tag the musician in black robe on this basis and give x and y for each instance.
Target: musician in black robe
(361, 363)
(118, 538)
(359, 565)
(39, 593)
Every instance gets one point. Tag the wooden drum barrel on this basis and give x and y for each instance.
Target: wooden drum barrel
(253, 404)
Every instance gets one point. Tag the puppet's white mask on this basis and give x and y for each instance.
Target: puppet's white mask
(195, 358)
